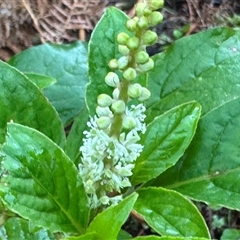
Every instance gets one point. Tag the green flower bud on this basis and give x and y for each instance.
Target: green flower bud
(141, 57)
(133, 43)
(149, 38)
(113, 64)
(142, 22)
(112, 79)
(116, 93)
(118, 106)
(104, 100)
(122, 62)
(140, 9)
(155, 4)
(131, 25)
(122, 38)
(134, 90)
(104, 200)
(145, 94)
(147, 12)
(155, 18)
(103, 111)
(146, 66)
(130, 74)
(124, 50)
(129, 122)
(103, 122)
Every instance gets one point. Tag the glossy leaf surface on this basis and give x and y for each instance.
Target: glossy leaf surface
(68, 65)
(42, 183)
(165, 141)
(21, 101)
(170, 214)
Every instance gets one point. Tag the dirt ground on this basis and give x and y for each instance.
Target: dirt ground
(26, 23)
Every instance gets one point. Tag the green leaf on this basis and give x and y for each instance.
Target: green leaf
(40, 80)
(16, 228)
(168, 238)
(109, 222)
(22, 102)
(170, 214)
(203, 67)
(233, 234)
(163, 148)
(105, 32)
(68, 65)
(75, 137)
(42, 183)
(209, 170)
(87, 236)
(123, 235)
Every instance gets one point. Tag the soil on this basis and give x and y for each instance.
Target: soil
(26, 23)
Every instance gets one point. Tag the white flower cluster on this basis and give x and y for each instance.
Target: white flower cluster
(107, 161)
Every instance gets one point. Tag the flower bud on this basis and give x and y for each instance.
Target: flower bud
(113, 63)
(129, 122)
(149, 38)
(146, 66)
(104, 200)
(145, 94)
(122, 62)
(142, 22)
(122, 38)
(118, 106)
(103, 111)
(140, 9)
(141, 57)
(131, 25)
(124, 50)
(133, 43)
(112, 79)
(103, 122)
(116, 93)
(134, 90)
(104, 100)
(155, 4)
(155, 18)
(130, 74)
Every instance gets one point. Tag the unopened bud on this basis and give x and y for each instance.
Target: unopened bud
(103, 111)
(104, 200)
(129, 122)
(155, 4)
(116, 93)
(103, 122)
(131, 25)
(149, 38)
(130, 74)
(146, 66)
(113, 63)
(133, 43)
(155, 18)
(141, 57)
(143, 22)
(134, 90)
(118, 107)
(112, 79)
(123, 49)
(145, 94)
(122, 62)
(122, 38)
(104, 100)
(140, 9)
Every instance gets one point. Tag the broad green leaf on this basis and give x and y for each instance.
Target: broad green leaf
(109, 222)
(42, 183)
(165, 141)
(17, 228)
(75, 137)
(209, 170)
(168, 238)
(87, 236)
(233, 234)
(105, 32)
(170, 214)
(67, 63)
(40, 80)
(203, 67)
(123, 235)
(22, 102)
